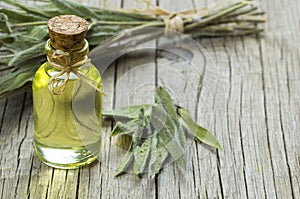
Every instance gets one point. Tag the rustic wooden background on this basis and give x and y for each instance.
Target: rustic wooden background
(259, 131)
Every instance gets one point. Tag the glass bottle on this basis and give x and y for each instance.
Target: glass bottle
(67, 115)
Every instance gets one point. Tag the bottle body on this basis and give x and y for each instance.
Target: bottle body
(67, 127)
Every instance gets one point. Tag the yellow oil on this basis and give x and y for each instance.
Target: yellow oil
(67, 127)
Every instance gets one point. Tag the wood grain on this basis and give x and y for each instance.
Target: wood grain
(253, 110)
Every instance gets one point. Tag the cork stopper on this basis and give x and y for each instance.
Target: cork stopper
(67, 32)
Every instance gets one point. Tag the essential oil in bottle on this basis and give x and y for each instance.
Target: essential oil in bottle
(67, 103)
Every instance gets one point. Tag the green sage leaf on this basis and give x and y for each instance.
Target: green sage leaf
(22, 56)
(125, 129)
(15, 80)
(69, 7)
(29, 9)
(201, 133)
(158, 117)
(39, 32)
(125, 163)
(172, 146)
(123, 142)
(172, 126)
(168, 104)
(4, 25)
(15, 16)
(158, 156)
(141, 154)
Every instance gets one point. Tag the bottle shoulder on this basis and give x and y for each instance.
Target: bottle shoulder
(46, 71)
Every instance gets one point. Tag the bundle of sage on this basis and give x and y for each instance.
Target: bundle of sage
(156, 133)
(23, 30)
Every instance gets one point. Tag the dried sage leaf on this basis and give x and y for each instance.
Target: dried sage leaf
(201, 133)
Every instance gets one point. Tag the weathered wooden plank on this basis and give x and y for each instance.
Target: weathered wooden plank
(10, 143)
(232, 160)
(280, 57)
(245, 80)
(258, 169)
(40, 179)
(276, 133)
(25, 150)
(3, 105)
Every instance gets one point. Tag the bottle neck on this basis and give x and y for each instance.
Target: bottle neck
(74, 55)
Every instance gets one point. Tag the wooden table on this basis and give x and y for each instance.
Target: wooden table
(256, 119)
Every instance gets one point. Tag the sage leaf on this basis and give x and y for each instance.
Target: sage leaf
(5, 38)
(158, 117)
(119, 15)
(157, 157)
(29, 9)
(4, 59)
(66, 8)
(34, 51)
(69, 7)
(168, 104)
(125, 129)
(141, 154)
(172, 146)
(125, 163)
(137, 135)
(4, 25)
(21, 43)
(172, 126)
(15, 80)
(201, 133)
(39, 32)
(15, 16)
(123, 142)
